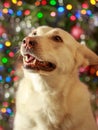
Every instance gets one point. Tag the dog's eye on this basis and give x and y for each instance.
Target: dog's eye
(57, 38)
(34, 33)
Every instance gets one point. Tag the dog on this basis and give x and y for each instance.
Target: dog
(50, 96)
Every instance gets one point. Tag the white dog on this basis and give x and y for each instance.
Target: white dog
(51, 96)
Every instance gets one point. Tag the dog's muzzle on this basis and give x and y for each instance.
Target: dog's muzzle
(30, 60)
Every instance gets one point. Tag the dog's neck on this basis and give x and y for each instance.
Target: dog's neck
(51, 82)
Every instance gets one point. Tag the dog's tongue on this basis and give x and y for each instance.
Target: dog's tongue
(28, 58)
(33, 61)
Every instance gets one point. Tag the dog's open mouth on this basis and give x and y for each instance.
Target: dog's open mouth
(31, 62)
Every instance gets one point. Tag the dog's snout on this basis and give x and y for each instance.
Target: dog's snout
(29, 42)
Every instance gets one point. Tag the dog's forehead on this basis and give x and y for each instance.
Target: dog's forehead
(46, 29)
(42, 30)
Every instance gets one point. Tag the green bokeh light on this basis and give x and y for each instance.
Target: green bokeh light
(4, 60)
(52, 2)
(9, 69)
(40, 15)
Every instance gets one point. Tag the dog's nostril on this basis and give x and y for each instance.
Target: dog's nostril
(32, 43)
(24, 41)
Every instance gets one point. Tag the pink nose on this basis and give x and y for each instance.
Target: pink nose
(29, 42)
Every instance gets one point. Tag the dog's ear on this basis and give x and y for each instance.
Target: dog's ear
(91, 57)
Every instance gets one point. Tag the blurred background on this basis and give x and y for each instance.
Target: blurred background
(18, 18)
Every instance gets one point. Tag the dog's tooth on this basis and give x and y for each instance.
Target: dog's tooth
(26, 58)
(34, 61)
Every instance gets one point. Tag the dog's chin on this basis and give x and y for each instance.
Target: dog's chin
(32, 63)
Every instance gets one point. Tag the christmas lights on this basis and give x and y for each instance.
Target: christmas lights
(19, 13)
(1, 46)
(69, 7)
(4, 60)
(93, 2)
(26, 12)
(53, 2)
(18, 17)
(1, 78)
(8, 79)
(19, 3)
(6, 4)
(61, 9)
(10, 12)
(53, 14)
(14, 1)
(7, 43)
(40, 15)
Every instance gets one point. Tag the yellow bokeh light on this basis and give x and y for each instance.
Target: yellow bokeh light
(69, 7)
(7, 43)
(97, 73)
(5, 10)
(19, 3)
(14, 1)
(93, 2)
(3, 110)
(83, 11)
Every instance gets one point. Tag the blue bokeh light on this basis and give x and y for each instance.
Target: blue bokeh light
(89, 12)
(61, 9)
(10, 11)
(1, 67)
(19, 13)
(8, 110)
(1, 78)
(8, 79)
(78, 15)
(1, 46)
(0, 13)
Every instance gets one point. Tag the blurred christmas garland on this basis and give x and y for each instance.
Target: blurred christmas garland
(18, 17)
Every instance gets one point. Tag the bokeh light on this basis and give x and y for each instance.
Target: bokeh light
(40, 15)
(19, 3)
(1, 78)
(5, 10)
(8, 43)
(19, 13)
(11, 54)
(8, 110)
(4, 60)
(10, 12)
(61, 9)
(53, 2)
(8, 79)
(69, 7)
(85, 5)
(1, 68)
(83, 11)
(37, 3)
(72, 18)
(53, 14)
(1, 46)
(27, 12)
(14, 1)
(43, 2)
(3, 110)
(93, 2)
(6, 4)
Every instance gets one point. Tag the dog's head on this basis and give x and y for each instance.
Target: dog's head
(48, 49)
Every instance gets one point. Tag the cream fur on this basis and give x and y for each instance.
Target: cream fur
(55, 100)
